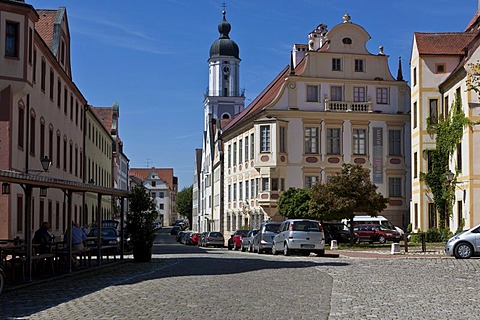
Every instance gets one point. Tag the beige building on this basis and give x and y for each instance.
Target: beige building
(336, 103)
(41, 114)
(98, 164)
(440, 63)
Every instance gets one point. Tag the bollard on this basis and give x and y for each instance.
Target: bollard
(424, 246)
(395, 248)
(405, 241)
(333, 245)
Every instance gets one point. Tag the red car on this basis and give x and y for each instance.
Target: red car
(235, 241)
(375, 233)
(194, 238)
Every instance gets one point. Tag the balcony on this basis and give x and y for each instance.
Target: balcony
(348, 106)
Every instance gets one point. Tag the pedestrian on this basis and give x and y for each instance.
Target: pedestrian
(78, 238)
(43, 238)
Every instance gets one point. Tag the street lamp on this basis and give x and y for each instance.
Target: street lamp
(46, 162)
(449, 175)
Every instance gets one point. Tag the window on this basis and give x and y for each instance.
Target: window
(76, 113)
(71, 107)
(311, 140)
(359, 141)
(240, 190)
(154, 183)
(33, 134)
(433, 103)
(70, 155)
(395, 187)
(336, 64)
(265, 184)
(34, 65)
(347, 41)
(312, 93)
(416, 215)
(432, 215)
(336, 93)
(429, 160)
(234, 153)
(265, 139)
(58, 149)
(459, 157)
(30, 45)
(359, 65)
(283, 139)
(252, 146)
(42, 139)
(229, 156)
(229, 193)
(240, 151)
(247, 190)
(65, 100)
(333, 141)
(415, 115)
(161, 206)
(382, 96)
(440, 68)
(11, 39)
(252, 188)
(310, 181)
(415, 165)
(246, 149)
(52, 84)
(414, 76)
(274, 184)
(234, 192)
(445, 107)
(65, 155)
(50, 143)
(21, 127)
(359, 94)
(43, 75)
(59, 92)
(395, 142)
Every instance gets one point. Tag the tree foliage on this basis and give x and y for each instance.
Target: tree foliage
(448, 132)
(140, 217)
(295, 203)
(185, 202)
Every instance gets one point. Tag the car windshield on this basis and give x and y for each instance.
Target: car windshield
(382, 227)
(272, 227)
(388, 225)
(306, 226)
(243, 232)
(337, 227)
(215, 234)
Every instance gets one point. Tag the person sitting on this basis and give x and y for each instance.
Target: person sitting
(43, 238)
(78, 238)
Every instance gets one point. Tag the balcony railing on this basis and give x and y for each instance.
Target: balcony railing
(348, 106)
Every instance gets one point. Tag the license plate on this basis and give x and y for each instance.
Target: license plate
(307, 246)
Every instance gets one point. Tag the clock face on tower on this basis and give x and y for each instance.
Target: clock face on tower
(226, 70)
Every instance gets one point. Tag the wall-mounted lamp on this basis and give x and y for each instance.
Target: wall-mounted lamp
(91, 181)
(46, 162)
(449, 175)
(43, 191)
(5, 188)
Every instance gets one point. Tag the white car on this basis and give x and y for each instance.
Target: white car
(465, 244)
(299, 235)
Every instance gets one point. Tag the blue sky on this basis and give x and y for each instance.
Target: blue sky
(151, 56)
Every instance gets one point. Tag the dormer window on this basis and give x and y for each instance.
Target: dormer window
(440, 68)
(347, 40)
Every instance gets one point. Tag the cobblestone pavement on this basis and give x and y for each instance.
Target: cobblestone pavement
(189, 282)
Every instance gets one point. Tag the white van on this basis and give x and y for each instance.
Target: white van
(375, 220)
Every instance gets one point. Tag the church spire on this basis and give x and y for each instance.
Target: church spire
(399, 72)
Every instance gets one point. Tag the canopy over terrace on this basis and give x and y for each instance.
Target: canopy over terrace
(30, 181)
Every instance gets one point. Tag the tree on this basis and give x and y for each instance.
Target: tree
(347, 193)
(295, 203)
(185, 202)
(449, 131)
(140, 220)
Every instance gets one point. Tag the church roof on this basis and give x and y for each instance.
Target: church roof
(443, 43)
(224, 46)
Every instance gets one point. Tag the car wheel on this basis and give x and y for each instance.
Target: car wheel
(243, 248)
(235, 247)
(382, 239)
(320, 253)
(274, 250)
(260, 251)
(463, 251)
(250, 247)
(286, 250)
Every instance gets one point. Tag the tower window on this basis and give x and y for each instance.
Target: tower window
(347, 41)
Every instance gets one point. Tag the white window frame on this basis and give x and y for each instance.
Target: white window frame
(311, 140)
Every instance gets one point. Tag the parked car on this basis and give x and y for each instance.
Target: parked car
(376, 233)
(465, 244)
(247, 241)
(235, 241)
(179, 235)
(194, 238)
(109, 236)
(175, 230)
(201, 241)
(300, 235)
(374, 220)
(337, 231)
(262, 241)
(185, 238)
(214, 239)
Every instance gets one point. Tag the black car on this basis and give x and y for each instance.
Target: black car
(109, 236)
(337, 231)
(175, 230)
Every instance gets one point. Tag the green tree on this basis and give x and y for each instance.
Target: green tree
(140, 218)
(448, 132)
(185, 202)
(347, 193)
(295, 203)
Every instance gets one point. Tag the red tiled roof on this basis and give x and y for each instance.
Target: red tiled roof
(447, 43)
(166, 174)
(44, 26)
(262, 100)
(105, 114)
(472, 22)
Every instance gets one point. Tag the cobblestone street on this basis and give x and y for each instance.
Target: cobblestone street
(189, 282)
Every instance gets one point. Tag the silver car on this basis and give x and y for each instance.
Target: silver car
(301, 235)
(465, 244)
(247, 242)
(263, 239)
